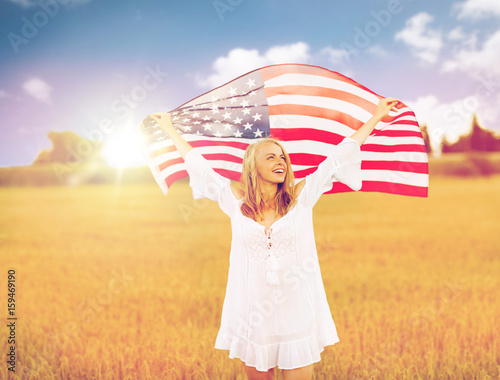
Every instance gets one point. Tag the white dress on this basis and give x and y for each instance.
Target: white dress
(275, 311)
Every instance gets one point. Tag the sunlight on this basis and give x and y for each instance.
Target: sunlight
(124, 150)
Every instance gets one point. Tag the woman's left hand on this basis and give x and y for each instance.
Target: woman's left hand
(384, 106)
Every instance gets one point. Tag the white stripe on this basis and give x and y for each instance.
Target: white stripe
(323, 149)
(388, 141)
(301, 121)
(393, 176)
(319, 81)
(320, 101)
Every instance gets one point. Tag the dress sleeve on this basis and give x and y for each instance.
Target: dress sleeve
(342, 164)
(207, 183)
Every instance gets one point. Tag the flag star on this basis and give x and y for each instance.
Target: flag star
(185, 111)
(246, 111)
(248, 126)
(214, 98)
(198, 132)
(215, 108)
(237, 134)
(233, 100)
(157, 132)
(197, 122)
(216, 121)
(186, 120)
(227, 126)
(237, 120)
(175, 118)
(187, 127)
(208, 126)
(174, 113)
(250, 83)
(244, 103)
(256, 116)
(258, 133)
(253, 93)
(217, 134)
(206, 117)
(227, 115)
(232, 91)
(196, 114)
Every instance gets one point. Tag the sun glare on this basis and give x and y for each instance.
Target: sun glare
(124, 150)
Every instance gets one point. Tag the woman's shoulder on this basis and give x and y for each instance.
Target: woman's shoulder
(237, 192)
(299, 186)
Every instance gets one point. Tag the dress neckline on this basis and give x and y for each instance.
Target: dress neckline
(240, 201)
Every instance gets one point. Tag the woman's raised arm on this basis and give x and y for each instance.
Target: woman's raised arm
(384, 106)
(165, 122)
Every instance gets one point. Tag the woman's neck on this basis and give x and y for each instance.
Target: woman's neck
(268, 191)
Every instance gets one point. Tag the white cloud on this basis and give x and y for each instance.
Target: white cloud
(38, 89)
(240, 61)
(444, 119)
(424, 42)
(476, 9)
(336, 56)
(378, 51)
(473, 61)
(456, 34)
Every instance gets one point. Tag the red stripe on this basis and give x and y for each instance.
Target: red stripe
(402, 166)
(315, 159)
(175, 176)
(235, 176)
(295, 134)
(322, 92)
(324, 113)
(167, 163)
(274, 71)
(223, 157)
(393, 148)
(199, 143)
(383, 187)
(396, 133)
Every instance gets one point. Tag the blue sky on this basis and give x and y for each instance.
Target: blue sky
(84, 65)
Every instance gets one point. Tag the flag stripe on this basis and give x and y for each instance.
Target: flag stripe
(315, 91)
(309, 110)
(324, 113)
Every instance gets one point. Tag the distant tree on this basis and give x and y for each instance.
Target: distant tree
(68, 147)
(425, 136)
(478, 139)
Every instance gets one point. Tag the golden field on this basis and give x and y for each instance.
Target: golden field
(121, 282)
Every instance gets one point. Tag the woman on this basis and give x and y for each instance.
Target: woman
(275, 311)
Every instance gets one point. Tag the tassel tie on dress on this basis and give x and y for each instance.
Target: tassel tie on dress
(272, 265)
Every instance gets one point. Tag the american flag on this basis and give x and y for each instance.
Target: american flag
(307, 108)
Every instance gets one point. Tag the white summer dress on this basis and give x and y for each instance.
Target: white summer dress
(275, 311)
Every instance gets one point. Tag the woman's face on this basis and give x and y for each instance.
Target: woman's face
(271, 164)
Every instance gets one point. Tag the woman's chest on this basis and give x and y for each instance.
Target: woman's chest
(278, 239)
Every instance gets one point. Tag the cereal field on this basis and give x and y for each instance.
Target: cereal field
(120, 282)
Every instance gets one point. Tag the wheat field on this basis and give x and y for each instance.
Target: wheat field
(121, 282)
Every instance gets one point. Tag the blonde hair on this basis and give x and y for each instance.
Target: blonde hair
(253, 203)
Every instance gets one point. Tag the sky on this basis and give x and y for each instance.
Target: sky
(98, 67)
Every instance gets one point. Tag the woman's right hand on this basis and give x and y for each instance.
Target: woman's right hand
(164, 120)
